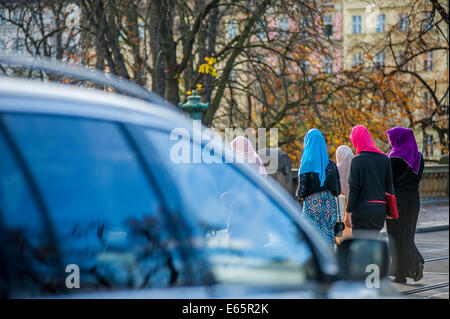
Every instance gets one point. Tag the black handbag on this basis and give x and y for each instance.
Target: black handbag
(340, 226)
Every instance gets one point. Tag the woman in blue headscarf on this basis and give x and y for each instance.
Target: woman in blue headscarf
(318, 184)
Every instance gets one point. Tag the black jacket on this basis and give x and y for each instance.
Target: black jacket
(309, 183)
(370, 178)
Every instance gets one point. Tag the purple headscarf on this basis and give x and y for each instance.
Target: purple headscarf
(404, 146)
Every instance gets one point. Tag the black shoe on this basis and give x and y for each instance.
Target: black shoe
(419, 273)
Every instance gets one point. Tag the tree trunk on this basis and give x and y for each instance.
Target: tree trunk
(164, 9)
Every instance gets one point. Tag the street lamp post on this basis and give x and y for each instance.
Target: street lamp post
(194, 107)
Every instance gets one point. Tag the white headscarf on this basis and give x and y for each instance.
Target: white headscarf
(344, 156)
(245, 153)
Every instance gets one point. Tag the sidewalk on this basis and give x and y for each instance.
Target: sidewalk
(431, 245)
(433, 216)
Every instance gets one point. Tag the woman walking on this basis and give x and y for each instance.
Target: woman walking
(344, 156)
(245, 153)
(318, 185)
(369, 181)
(407, 167)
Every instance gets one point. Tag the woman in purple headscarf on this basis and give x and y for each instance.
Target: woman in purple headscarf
(407, 167)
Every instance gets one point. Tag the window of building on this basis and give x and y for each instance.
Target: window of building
(427, 23)
(141, 30)
(305, 22)
(380, 23)
(356, 59)
(356, 24)
(380, 59)
(328, 64)
(261, 29)
(47, 16)
(426, 98)
(305, 67)
(19, 46)
(283, 24)
(403, 22)
(16, 16)
(428, 61)
(232, 29)
(2, 12)
(402, 57)
(328, 25)
(427, 145)
(261, 58)
(233, 75)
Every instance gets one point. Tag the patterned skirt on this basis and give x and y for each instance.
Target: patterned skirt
(321, 210)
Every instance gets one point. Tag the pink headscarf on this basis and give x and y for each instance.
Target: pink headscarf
(362, 141)
(245, 153)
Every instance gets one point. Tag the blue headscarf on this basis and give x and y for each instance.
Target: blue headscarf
(315, 156)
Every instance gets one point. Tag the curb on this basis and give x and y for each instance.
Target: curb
(434, 201)
(427, 229)
(432, 228)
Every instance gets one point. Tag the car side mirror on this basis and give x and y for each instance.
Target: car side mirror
(358, 258)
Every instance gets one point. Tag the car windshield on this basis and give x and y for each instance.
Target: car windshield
(247, 237)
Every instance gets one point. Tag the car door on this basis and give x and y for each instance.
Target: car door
(107, 215)
(30, 263)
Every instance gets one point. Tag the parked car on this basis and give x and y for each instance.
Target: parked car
(97, 202)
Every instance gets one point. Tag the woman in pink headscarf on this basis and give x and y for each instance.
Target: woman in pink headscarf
(369, 180)
(245, 153)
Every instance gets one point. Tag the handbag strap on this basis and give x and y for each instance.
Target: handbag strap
(337, 199)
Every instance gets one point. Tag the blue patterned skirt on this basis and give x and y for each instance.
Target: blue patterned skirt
(321, 210)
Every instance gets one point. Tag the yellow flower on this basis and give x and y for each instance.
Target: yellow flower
(199, 87)
(207, 68)
(189, 92)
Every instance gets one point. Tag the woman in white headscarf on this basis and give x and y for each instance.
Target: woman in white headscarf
(245, 153)
(258, 234)
(344, 156)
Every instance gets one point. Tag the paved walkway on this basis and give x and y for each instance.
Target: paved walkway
(431, 245)
(433, 215)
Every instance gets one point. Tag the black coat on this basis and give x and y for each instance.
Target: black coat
(369, 179)
(404, 252)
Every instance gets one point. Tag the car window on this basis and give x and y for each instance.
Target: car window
(107, 217)
(247, 237)
(28, 261)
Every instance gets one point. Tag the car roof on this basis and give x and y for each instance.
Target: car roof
(100, 104)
